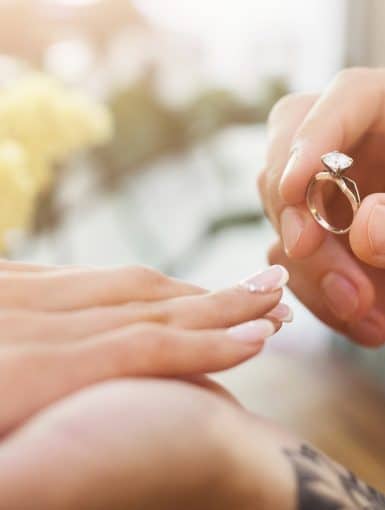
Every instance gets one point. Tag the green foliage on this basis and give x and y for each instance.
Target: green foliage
(146, 129)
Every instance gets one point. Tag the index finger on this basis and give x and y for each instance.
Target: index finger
(300, 233)
(350, 106)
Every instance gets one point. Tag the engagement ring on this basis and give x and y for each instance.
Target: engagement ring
(336, 164)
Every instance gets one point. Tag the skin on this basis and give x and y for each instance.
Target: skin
(113, 445)
(74, 417)
(85, 425)
(348, 116)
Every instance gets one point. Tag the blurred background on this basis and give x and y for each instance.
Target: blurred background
(180, 92)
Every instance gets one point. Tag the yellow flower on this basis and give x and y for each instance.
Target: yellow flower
(51, 122)
(41, 124)
(17, 194)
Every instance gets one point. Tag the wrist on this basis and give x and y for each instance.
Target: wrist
(261, 475)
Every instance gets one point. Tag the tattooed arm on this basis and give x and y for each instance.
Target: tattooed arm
(297, 476)
(324, 485)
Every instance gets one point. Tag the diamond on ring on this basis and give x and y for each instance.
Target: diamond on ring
(337, 162)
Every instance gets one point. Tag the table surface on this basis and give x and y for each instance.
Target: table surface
(323, 399)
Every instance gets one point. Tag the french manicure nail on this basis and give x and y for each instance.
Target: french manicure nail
(292, 225)
(252, 331)
(369, 331)
(289, 167)
(273, 278)
(376, 229)
(340, 294)
(282, 313)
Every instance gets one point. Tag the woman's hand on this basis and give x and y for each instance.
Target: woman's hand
(348, 273)
(64, 329)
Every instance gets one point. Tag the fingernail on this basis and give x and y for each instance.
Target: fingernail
(340, 295)
(252, 331)
(370, 330)
(289, 168)
(273, 278)
(376, 230)
(292, 225)
(281, 313)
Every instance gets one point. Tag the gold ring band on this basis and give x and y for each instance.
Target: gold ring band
(336, 163)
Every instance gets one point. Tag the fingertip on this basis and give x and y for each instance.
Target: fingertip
(367, 234)
(301, 235)
(272, 279)
(281, 313)
(253, 332)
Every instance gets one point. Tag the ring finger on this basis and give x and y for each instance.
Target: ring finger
(254, 297)
(33, 377)
(79, 288)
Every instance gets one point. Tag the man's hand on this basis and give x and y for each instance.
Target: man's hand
(342, 280)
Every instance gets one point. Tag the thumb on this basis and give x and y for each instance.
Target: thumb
(367, 235)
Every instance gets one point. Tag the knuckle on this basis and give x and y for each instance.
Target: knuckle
(285, 104)
(147, 275)
(156, 340)
(148, 332)
(141, 272)
(159, 313)
(136, 348)
(218, 305)
(352, 75)
(154, 312)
